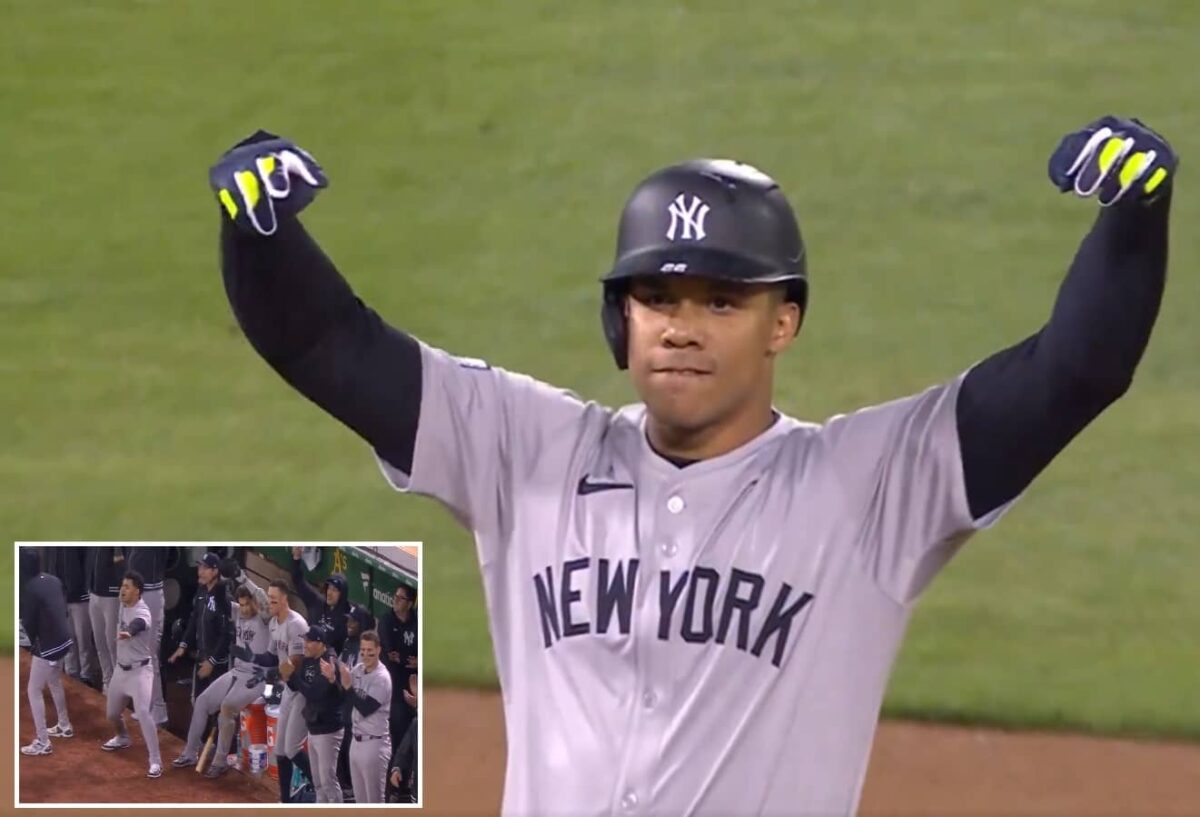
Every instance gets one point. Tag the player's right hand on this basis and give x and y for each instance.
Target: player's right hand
(263, 177)
(175, 656)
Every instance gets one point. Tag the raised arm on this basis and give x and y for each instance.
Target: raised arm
(1019, 408)
(298, 312)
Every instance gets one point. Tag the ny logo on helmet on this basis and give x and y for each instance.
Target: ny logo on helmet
(690, 216)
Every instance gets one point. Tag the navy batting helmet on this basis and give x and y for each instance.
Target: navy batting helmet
(713, 218)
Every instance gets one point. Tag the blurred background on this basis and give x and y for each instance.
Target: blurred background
(479, 154)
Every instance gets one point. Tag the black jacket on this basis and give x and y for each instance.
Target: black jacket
(43, 609)
(333, 619)
(405, 759)
(323, 701)
(399, 636)
(69, 564)
(105, 575)
(151, 562)
(209, 626)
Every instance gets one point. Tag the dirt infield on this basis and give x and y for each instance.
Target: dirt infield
(932, 771)
(80, 772)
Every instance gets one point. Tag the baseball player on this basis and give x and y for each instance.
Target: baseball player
(44, 616)
(104, 570)
(403, 776)
(133, 671)
(241, 685)
(331, 608)
(358, 621)
(398, 639)
(316, 681)
(287, 629)
(208, 627)
(151, 562)
(69, 564)
(369, 690)
(696, 600)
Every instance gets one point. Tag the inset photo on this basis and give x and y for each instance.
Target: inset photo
(198, 673)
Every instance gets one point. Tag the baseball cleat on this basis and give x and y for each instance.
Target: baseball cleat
(155, 770)
(214, 771)
(57, 731)
(37, 748)
(182, 761)
(115, 743)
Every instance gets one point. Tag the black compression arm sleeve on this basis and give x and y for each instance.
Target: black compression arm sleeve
(303, 318)
(1020, 407)
(136, 626)
(363, 703)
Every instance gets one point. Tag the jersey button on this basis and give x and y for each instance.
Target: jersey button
(668, 549)
(675, 504)
(629, 801)
(649, 699)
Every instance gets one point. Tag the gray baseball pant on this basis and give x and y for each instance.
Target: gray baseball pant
(103, 611)
(133, 685)
(154, 600)
(82, 659)
(322, 756)
(290, 728)
(45, 673)
(227, 696)
(369, 761)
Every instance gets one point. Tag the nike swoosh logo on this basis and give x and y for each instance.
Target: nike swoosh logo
(586, 487)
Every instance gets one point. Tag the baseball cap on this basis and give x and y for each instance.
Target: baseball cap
(209, 559)
(316, 633)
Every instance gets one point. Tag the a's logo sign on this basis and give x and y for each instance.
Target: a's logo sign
(687, 218)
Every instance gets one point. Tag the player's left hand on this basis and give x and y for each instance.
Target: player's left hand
(344, 674)
(123, 635)
(262, 177)
(1114, 159)
(327, 670)
(205, 669)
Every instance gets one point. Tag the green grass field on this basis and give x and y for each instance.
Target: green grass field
(479, 154)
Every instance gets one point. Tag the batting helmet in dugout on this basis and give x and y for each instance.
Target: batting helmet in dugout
(712, 218)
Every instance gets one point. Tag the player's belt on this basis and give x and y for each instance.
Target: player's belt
(128, 667)
(369, 737)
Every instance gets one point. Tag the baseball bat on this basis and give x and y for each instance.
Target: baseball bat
(205, 753)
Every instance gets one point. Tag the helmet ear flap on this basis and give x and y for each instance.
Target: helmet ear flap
(616, 324)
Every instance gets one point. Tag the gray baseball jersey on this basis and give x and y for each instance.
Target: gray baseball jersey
(287, 639)
(140, 646)
(377, 685)
(709, 639)
(254, 633)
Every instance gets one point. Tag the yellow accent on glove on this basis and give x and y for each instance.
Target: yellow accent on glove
(1110, 152)
(249, 184)
(227, 201)
(1156, 178)
(1134, 166)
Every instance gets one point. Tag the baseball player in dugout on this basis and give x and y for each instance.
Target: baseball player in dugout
(696, 599)
(43, 612)
(398, 640)
(331, 608)
(287, 629)
(317, 682)
(151, 563)
(208, 627)
(104, 571)
(69, 564)
(242, 684)
(368, 689)
(133, 671)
